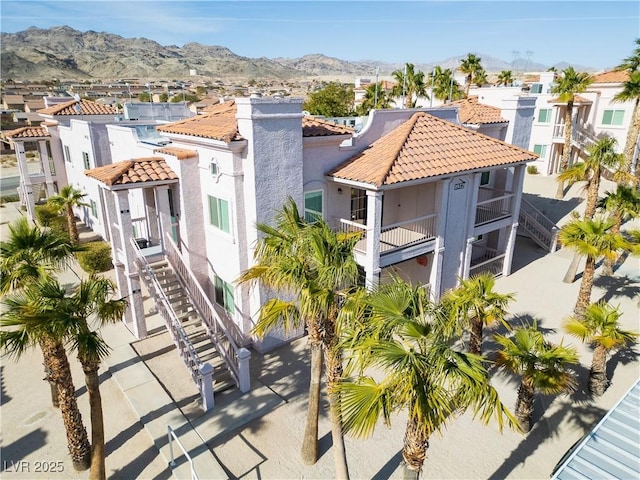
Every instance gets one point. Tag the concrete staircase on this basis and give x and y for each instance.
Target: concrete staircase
(537, 226)
(199, 348)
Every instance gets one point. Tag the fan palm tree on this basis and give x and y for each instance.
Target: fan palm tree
(480, 77)
(474, 303)
(444, 85)
(309, 265)
(470, 66)
(68, 198)
(631, 93)
(592, 239)
(409, 85)
(505, 78)
(599, 326)
(375, 97)
(403, 334)
(632, 62)
(543, 367)
(566, 87)
(28, 320)
(90, 301)
(622, 205)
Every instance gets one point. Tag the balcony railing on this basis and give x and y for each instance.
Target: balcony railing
(397, 235)
(486, 260)
(494, 209)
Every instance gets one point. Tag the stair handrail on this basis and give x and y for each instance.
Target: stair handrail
(206, 310)
(171, 433)
(180, 338)
(544, 224)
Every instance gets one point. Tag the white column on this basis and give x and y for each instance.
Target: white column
(508, 254)
(206, 386)
(466, 265)
(25, 181)
(46, 166)
(163, 211)
(133, 279)
(374, 225)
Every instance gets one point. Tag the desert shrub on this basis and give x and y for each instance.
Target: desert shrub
(96, 258)
(532, 169)
(49, 216)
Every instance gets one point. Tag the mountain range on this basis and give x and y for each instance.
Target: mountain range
(66, 53)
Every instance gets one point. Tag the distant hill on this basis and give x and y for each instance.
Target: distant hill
(62, 52)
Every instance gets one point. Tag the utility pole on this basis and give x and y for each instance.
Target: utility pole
(375, 101)
(433, 78)
(404, 85)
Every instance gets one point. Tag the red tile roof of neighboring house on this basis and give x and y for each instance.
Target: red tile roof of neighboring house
(317, 127)
(424, 147)
(576, 99)
(179, 153)
(470, 111)
(26, 132)
(137, 170)
(220, 123)
(614, 76)
(87, 107)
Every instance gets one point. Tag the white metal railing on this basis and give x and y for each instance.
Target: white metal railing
(180, 339)
(225, 337)
(409, 232)
(542, 230)
(172, 436)
(35, 168)
(494, 209)
(489, 261)
(348, 226)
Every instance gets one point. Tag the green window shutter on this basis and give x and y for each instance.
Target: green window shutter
(228, 297)
(607, 117)
(223, 213)
(213, 211)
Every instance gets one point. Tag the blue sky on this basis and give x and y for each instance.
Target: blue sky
(591, 33)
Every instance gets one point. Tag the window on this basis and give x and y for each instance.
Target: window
(540, 150)
(544, 115)
(612, 117)
(224, 294)
(213, 168)
(358, 205)
(219, 213)
(94, 209)
(536, 88)
(67, 153)
(85, 160)
(313, 206)
(484, 178)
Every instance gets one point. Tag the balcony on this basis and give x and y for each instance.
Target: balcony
(491, 208)
(486, 260)
(395, 236)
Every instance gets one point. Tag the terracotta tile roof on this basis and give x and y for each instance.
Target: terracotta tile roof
(317, 127)
(613, 76)
(219, 123)
(26, 132)
(13, 99)
(576, 99)
(470, 111)
(424, 147)
(87, 107)
(137, 170)
(179, 153)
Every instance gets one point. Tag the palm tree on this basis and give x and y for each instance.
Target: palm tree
(475, 304)
(68, 198)
(89, 301)
(632, 62)
(543, 366)
(308, 265)
(470, 66)
(568, 85)
(505, 78)
(28, 320)
(480, 77)
(600, 156)
(600, 327)
(404, 336)
(631, 93)
(376, 96)
(409, 84)
(592, 239)
(622, 205)
(444, 86)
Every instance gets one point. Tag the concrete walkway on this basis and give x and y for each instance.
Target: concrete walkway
(258, 435)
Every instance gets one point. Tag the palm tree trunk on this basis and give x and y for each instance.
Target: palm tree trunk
(592, 195)
(566, 151)
(333, 364)
(475, 338)
(609, 262)
(49, 378)
(77, 440)
(598, 381)
(73, 228)
(524, 404)
(92, 381)
(632, 138)
(309, 451)
(414, 451)
(570, 276)
(586, 285)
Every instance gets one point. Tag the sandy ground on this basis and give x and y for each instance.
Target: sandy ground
(268, 448)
